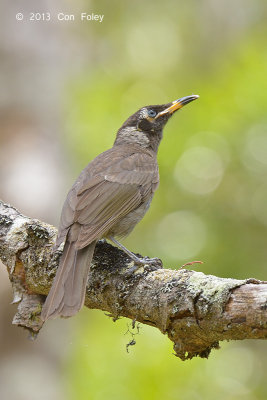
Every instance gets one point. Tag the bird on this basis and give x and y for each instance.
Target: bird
(110, 196)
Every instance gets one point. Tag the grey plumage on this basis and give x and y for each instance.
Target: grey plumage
(110, 196)
(68, 291)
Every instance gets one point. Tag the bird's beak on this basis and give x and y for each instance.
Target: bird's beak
(177, 104)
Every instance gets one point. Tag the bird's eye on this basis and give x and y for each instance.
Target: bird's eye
(151, 113)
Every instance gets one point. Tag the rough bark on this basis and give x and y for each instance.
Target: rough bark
(196, 311)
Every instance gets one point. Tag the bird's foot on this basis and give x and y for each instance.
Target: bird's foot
(152, 262)
(148, 265)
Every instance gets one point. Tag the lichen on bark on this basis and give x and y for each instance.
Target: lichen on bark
(195, 310)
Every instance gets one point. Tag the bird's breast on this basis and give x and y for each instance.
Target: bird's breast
(127, 223)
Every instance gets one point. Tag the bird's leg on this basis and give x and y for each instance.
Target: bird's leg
(137, 260)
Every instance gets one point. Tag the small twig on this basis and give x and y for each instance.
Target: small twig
(191, 263)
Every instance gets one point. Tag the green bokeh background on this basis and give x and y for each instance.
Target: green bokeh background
(155, 52)
(211, 203)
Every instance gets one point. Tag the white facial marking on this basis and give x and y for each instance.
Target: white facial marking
(143, 113)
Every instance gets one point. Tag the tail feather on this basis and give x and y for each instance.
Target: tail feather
(67, 293)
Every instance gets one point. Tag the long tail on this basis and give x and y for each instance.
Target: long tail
(67, 293)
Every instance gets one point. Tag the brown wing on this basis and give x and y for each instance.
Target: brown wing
(108, 189)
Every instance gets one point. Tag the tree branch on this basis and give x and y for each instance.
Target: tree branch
(196, 311)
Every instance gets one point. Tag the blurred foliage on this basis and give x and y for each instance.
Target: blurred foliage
(211, 204)
(101, 367)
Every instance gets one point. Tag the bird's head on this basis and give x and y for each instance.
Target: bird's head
(145, 127)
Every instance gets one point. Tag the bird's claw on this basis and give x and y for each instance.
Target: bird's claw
(148, 264)
(152, 264)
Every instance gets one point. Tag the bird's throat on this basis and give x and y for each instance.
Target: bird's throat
(131, 135)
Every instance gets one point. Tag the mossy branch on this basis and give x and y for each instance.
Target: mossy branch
(196, 311)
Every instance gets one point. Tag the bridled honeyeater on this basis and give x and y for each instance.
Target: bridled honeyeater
(110, 196)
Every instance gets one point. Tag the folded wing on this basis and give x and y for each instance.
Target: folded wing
(99, 199)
